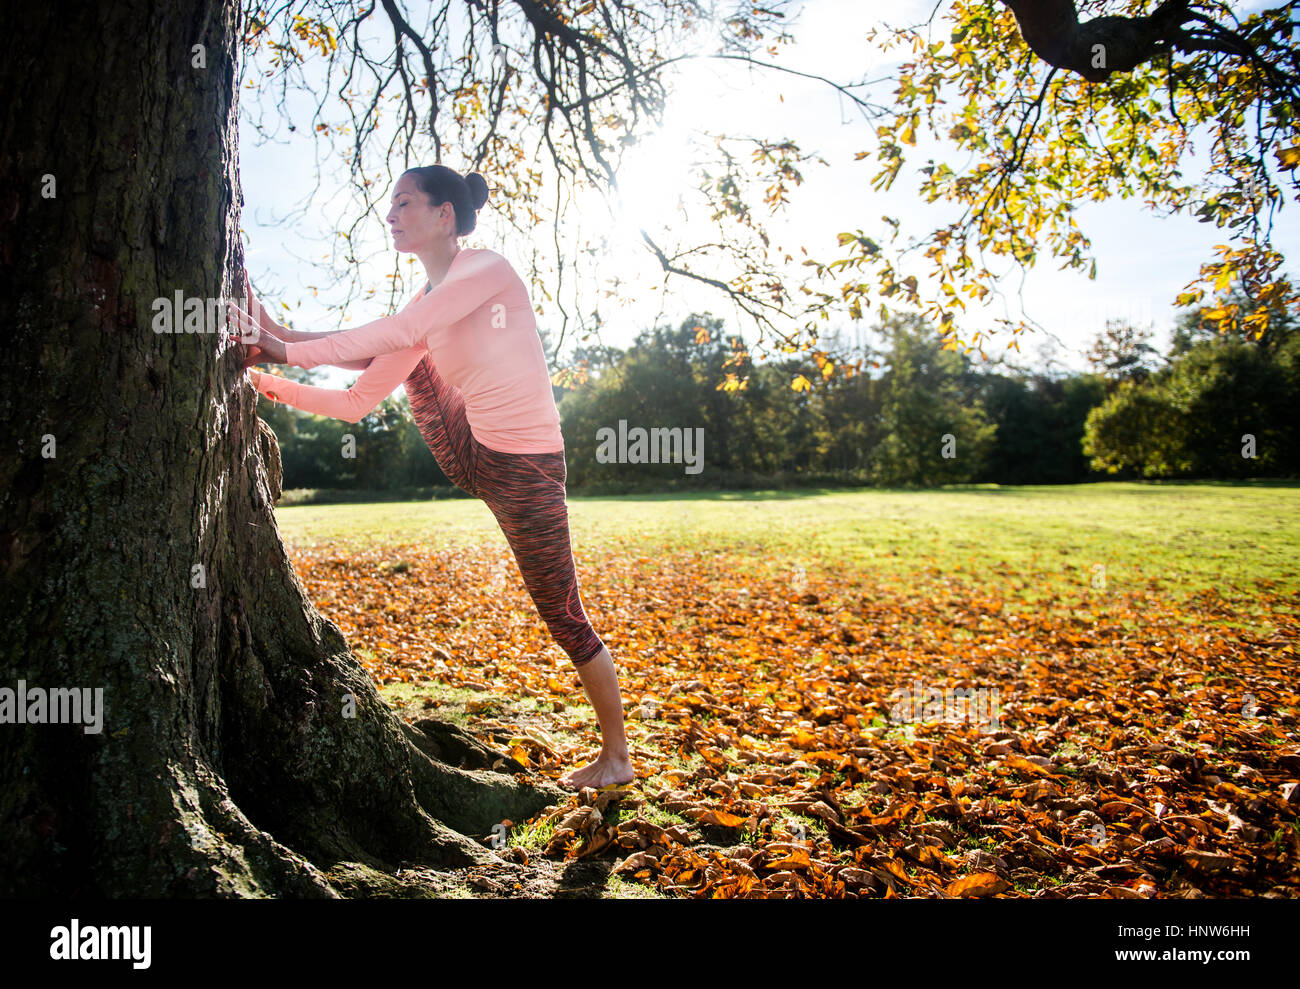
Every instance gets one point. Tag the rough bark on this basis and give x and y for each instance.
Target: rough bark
(227, 764)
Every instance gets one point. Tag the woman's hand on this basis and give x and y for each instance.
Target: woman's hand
(244, 329)
(273, 351)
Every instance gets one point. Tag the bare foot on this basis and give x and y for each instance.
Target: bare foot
(605, 770)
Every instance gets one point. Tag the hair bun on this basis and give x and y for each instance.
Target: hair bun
(478, 189)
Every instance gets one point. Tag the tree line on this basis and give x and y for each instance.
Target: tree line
(660, 415)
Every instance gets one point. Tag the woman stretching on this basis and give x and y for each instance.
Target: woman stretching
(468, 353)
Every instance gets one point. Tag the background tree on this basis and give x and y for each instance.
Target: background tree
(663, 380)
(1040, 424)
(924, 398)
(1133, 433)
(1222, 407)
(1235, 410)
(1123, 352)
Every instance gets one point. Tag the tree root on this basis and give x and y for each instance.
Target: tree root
(473, 801)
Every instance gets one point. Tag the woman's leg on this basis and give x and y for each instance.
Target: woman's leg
(614, 764)
(526, 494)
(439, 413)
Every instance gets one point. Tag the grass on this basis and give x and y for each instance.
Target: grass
(617, 888)
(451, 702)
(1167, 537)
(533, 837)
(662, 818)
(457, 891)
(462, 707)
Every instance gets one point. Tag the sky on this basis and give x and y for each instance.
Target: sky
(1143, 260)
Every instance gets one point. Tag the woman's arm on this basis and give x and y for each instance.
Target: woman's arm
(376, 383)
(302, 336)
(269, 324)
(289, 335)
(471, 281)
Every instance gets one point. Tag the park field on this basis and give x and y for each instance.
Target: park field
(1138, 642)
(1174, 538)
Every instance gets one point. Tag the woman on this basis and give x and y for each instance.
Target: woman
(468, 352)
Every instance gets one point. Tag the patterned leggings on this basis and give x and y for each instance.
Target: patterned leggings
(525, 491)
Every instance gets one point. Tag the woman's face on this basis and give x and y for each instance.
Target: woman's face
(417, 226)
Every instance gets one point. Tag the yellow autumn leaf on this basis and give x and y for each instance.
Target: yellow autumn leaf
(720, 818)
(801, 383)
(803, 740)
(1025, 766)
(797, 859)
(979, 884)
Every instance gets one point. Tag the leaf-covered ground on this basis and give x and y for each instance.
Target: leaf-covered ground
(1147, 745)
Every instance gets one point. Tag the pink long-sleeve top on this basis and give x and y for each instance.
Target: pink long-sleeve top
(478, 326)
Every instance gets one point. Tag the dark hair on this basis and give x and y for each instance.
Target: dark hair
(445, 185)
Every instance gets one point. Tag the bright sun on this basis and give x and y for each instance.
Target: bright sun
(655, 179)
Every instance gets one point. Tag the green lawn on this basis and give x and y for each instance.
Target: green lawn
(1173, 538)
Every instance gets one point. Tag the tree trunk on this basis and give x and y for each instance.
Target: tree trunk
(137, 541)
